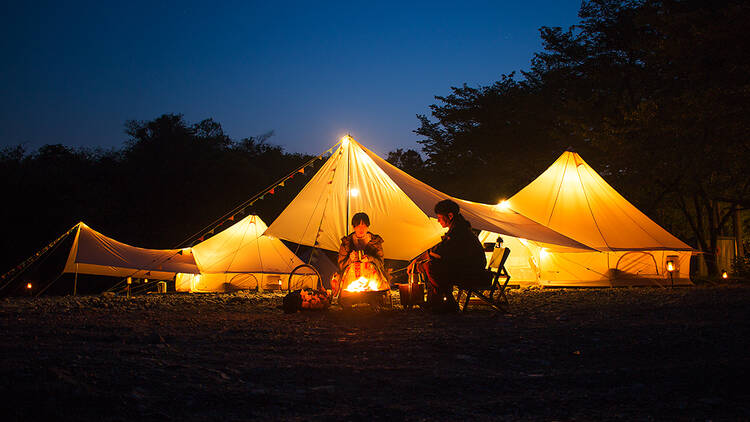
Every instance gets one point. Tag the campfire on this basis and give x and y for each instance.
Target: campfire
(362, 283)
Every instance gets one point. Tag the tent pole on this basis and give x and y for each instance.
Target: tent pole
(75, 281)
(348, 193)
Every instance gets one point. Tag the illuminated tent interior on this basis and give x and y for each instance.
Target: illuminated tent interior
(241, 257)
(400, 208)
(94, 253)
(572, 199)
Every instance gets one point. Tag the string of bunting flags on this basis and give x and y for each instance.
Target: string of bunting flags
(210, 229)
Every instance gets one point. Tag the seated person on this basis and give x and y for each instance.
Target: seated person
(458, 256)
(364, 250)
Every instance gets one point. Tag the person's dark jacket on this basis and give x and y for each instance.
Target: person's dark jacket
(373, 249)
(460, 250)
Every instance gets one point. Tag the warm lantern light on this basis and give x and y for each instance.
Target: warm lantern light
(354, 192)
(28, 286)
(724, 274)
(670, 266)
(345, 140)
(543, 253)
(503, 205)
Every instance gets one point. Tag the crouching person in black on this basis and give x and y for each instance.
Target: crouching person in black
(458, 256)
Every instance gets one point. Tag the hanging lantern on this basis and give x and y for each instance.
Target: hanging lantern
(724, 274)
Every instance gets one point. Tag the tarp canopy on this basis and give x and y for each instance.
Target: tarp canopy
(400, 208)
(94, 253)
(572, 199)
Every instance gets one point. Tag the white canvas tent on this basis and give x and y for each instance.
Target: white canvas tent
(572, 199)
(94, 253)
(400, 208)
(241, 257)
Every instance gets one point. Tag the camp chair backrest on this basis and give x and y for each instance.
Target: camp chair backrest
(495, 294)
(499, 256)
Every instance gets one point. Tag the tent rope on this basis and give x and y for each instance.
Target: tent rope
(20, 268)
(241, 207)
(591, 210)
(325, 205)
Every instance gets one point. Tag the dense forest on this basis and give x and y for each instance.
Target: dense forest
(653, 94)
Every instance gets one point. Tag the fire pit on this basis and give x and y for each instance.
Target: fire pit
(376, 298)
(363, 284)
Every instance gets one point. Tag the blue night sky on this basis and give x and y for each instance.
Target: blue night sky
(73, 72)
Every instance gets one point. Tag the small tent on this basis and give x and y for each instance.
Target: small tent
(400, 207)
(241, 257)
(572, 199)
(94, 253)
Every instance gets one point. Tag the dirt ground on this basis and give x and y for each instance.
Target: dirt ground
(593, 354)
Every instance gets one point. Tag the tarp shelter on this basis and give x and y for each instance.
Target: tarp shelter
(94, 253)
(241, 257)
(400, 207)
(572, 199)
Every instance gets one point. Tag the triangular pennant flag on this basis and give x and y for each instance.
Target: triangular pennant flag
(281, 184)
(302, 170)
(200, 239)
(261, 197)
(231, 218)
(272, 191)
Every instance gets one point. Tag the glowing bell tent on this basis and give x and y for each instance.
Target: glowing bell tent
(241, 257)
(572, 199)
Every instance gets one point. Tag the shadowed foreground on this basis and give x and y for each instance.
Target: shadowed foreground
(563, 354)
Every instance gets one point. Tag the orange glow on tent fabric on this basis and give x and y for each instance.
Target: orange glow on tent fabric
(345, 140)
(354, 192)
(503, 205)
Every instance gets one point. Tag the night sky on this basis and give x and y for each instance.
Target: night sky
(73, 72)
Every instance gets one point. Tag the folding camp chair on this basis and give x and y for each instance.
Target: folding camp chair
(486, 286)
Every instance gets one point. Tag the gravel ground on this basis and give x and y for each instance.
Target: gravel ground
(588, 354)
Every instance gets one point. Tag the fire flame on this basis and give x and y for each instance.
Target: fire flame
(362, 285)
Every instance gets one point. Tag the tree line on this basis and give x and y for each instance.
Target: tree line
(653, 94)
